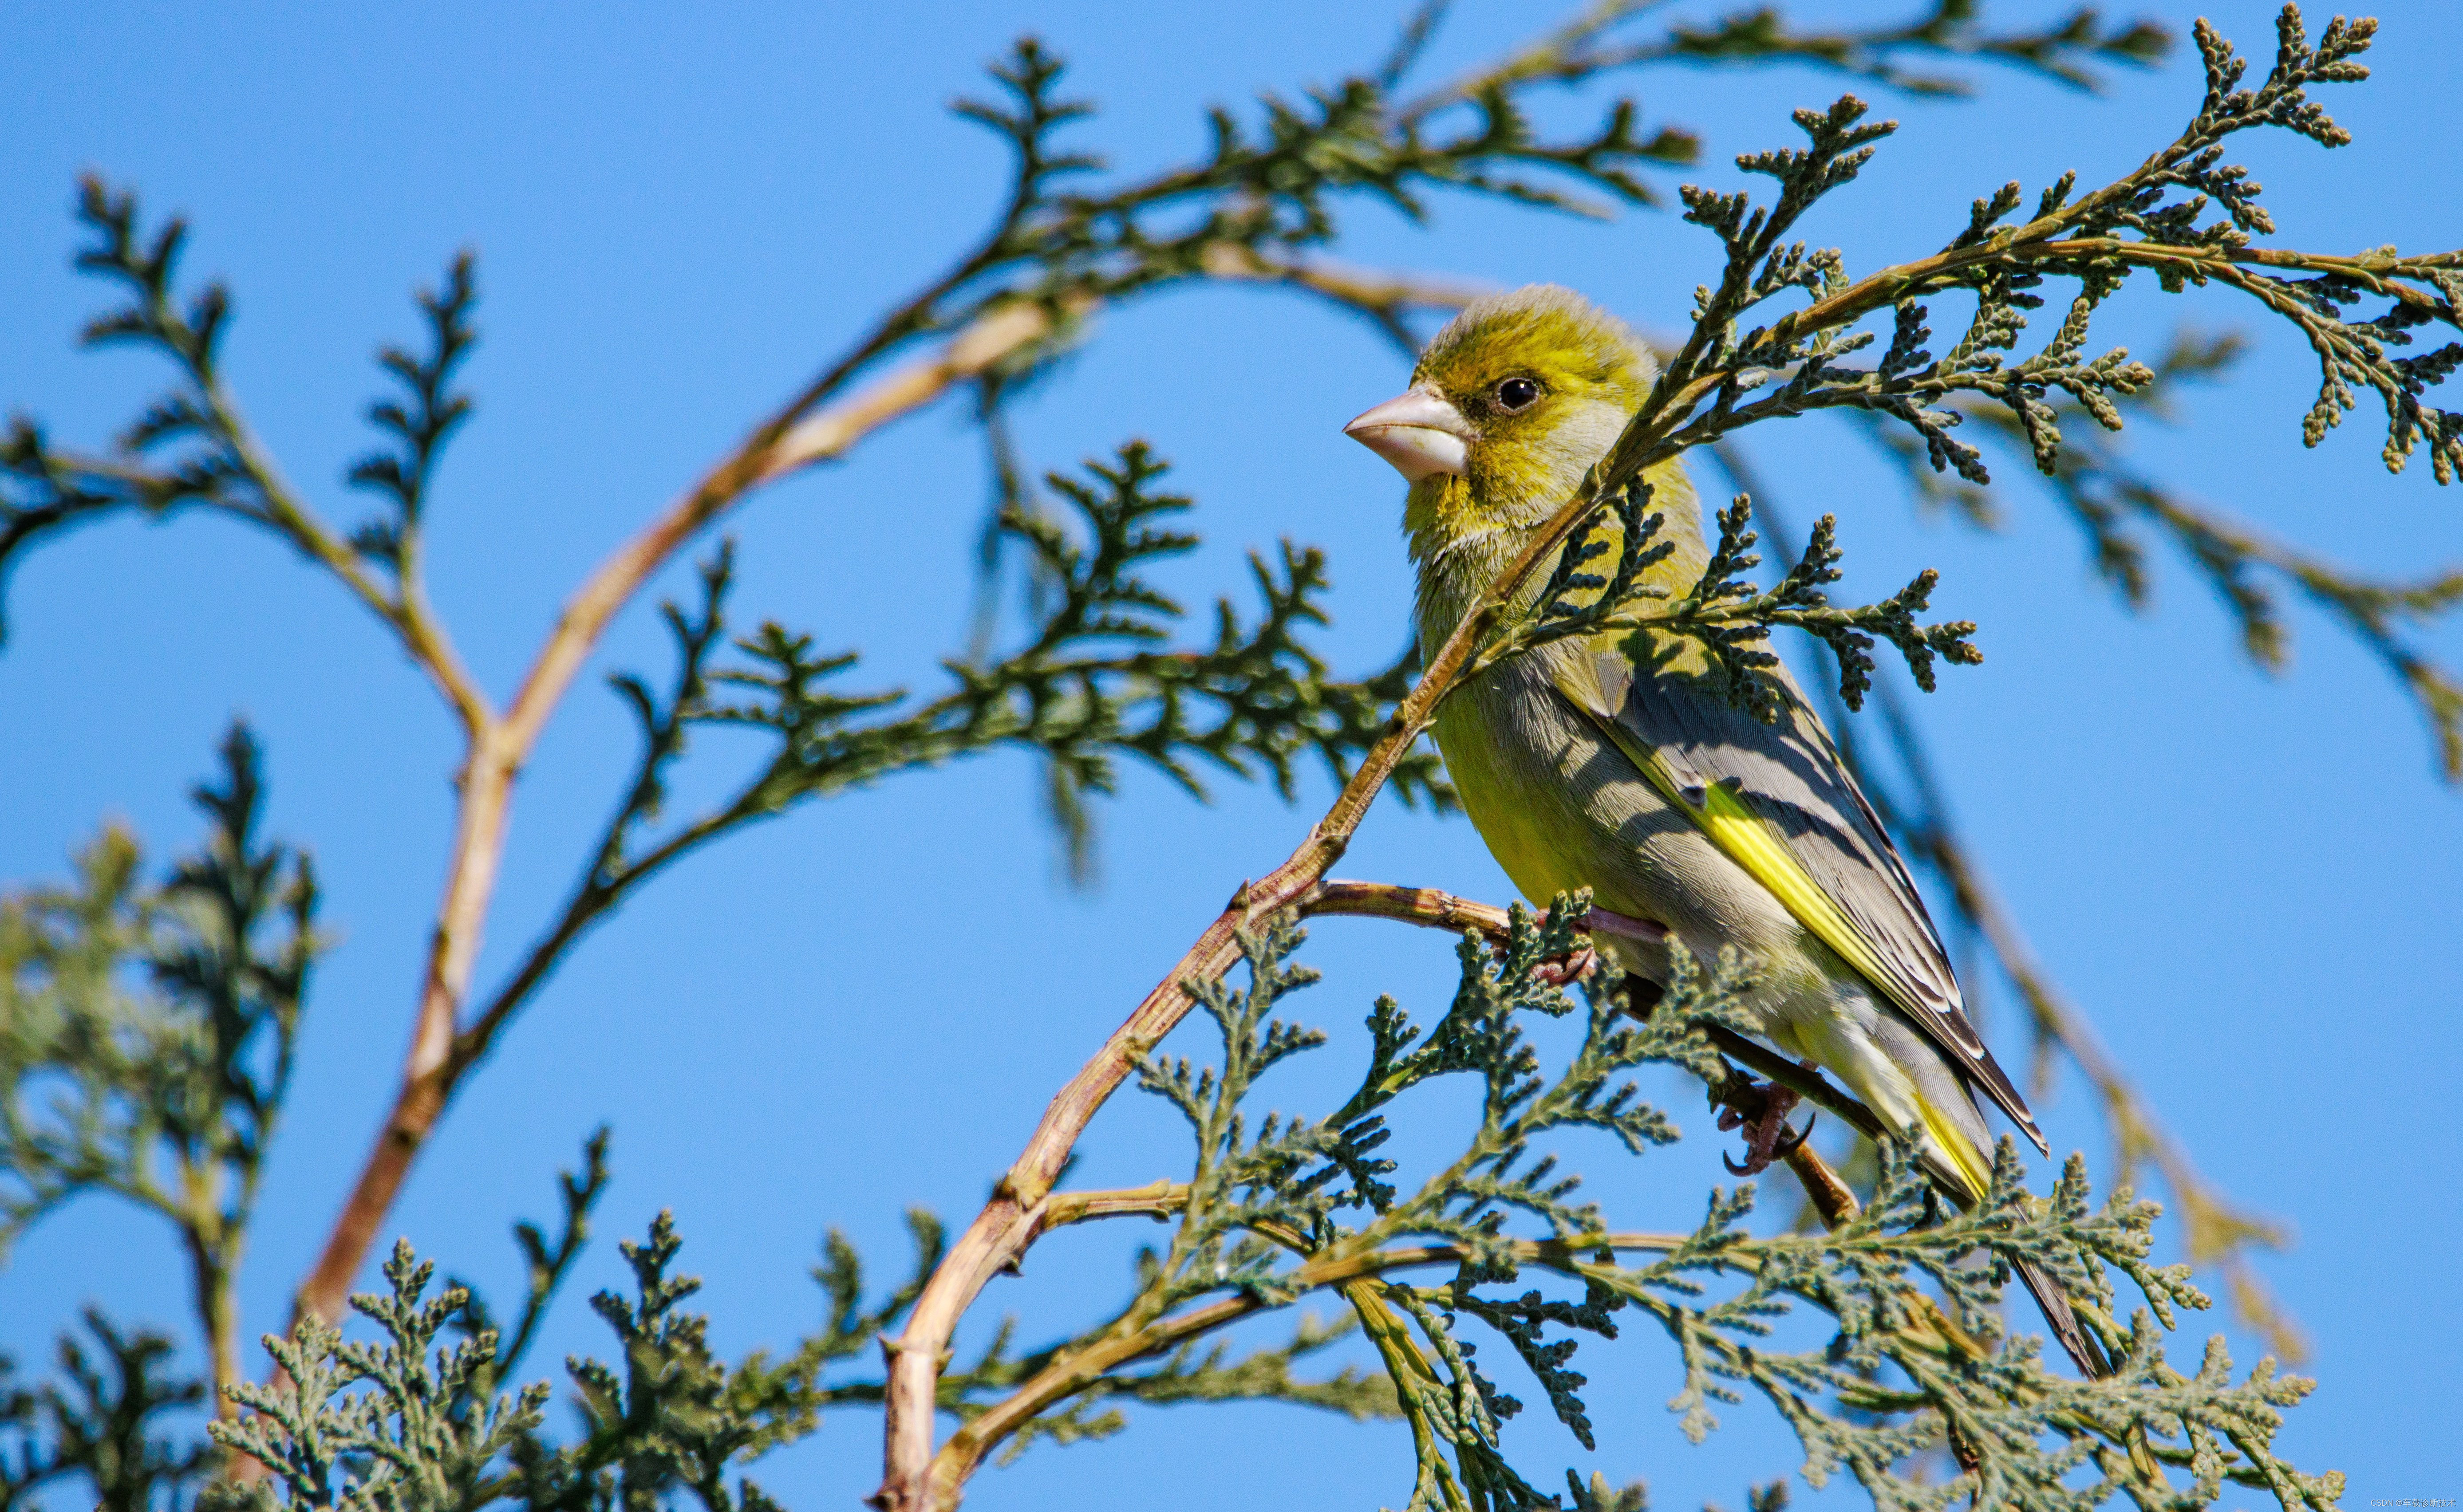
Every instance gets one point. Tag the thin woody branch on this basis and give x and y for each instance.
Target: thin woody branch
(798, 435)
(967, 1448)
(1439, 910)
(1158, 1201)
(806, 431)
(1433, 909)
(279, 507)
(1001, 1231)
(1386, 299)
(408, 613)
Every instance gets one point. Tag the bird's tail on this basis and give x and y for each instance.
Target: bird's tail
(2058, 1316)
(1957, 1163)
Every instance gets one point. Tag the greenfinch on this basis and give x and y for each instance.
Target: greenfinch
(1615, 763)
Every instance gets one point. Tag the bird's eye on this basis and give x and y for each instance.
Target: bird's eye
(1517, 393)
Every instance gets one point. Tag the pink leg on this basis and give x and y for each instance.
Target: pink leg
(1767, 1136)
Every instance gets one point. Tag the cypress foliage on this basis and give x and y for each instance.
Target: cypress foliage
(147, 1025)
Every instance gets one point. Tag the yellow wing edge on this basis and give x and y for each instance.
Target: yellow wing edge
(1743, 835)
(1745, 838)
(1740, 832)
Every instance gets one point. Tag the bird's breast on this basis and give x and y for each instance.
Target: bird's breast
(1561, 809)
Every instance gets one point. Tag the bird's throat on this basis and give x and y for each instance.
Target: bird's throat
(1460, 549)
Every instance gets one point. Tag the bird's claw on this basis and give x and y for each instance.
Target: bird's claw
(1790, 1141)
(1574, 966)
(1564, 971)
(1768, 1139)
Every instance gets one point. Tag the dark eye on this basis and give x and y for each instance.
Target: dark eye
(1517, 393)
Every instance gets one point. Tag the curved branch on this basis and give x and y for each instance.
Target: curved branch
(963, 1454)
(1000, 1233)
(805, 431)
(794, 436)
(1433, 909)
(423, 635)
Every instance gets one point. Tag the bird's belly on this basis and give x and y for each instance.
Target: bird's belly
(1561, 809)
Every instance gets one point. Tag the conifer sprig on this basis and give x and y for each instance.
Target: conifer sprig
(2117, 503)
(1725, 612)
(111, 1420)
(1089, 685)
(414, 1438)
(672, 1418)
(192, 448)
(546, 1265)
(1086, 686)
(1302, 1204)
(2134, 225)
(1600, 40)
(422, 421)
(1732, 619)
(168, 1098)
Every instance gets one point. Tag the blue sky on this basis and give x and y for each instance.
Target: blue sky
(2249, 882)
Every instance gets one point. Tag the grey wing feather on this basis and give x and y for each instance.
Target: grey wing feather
(1791, 775)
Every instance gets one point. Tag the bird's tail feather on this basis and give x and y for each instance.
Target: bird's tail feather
(1967, 1173)
(2058, 1316)
(1935, 1107)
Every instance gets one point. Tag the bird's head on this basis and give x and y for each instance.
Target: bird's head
(1511, 403)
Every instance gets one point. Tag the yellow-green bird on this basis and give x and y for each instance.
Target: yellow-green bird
(1585, 769)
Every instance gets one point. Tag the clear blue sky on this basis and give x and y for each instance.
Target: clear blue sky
(2252, 883)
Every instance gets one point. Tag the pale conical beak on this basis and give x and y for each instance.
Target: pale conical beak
(1419, 431)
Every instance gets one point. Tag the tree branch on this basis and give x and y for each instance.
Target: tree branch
(801, 433)
(1001, 1231)
(1072, 1372)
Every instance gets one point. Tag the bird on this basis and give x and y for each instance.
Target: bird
(1617, 765)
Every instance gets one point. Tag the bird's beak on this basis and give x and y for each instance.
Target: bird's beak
(1419, 431)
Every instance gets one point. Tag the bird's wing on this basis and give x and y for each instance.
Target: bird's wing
(1779, 801)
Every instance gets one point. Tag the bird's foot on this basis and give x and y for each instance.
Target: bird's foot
(1572, 967)
(1561, 971)
(1760, 1108)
